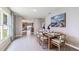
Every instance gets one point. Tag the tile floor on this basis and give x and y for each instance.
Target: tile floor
(30, 43)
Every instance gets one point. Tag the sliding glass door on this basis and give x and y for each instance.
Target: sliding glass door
(3, 26)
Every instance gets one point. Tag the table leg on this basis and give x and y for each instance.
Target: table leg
(49, 43)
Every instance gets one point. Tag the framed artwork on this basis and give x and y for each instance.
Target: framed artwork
(58, 20)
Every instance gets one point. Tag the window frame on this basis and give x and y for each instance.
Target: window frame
(2, 13)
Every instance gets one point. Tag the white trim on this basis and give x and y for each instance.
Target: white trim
(72, 46)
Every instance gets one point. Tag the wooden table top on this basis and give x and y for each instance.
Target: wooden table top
(48, 35)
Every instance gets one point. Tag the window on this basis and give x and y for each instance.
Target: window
(0, 27)
(3, 26)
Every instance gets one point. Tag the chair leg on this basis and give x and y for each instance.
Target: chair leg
(43, 45)
(59, 48)
(64, 47)
(39, 41)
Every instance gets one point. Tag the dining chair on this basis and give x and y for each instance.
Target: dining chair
(58, 40)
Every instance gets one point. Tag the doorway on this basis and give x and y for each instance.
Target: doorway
(27, 28)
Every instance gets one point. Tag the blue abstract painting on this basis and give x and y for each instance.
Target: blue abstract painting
(58, 20)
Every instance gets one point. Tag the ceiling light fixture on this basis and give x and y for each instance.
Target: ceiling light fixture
(34, 10)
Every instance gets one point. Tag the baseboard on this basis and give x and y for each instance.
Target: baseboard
(4, 44)
(17, 36)
(72, 46)
(7, 47)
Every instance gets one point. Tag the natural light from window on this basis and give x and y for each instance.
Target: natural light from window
(3, 26)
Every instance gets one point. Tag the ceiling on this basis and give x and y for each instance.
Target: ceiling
(33, 12)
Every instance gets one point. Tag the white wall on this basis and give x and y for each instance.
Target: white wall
(37, 25)
(42, 22)
(7, 10)
(72, 21)
(18, 25)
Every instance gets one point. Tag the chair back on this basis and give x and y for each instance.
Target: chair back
(62, 38)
